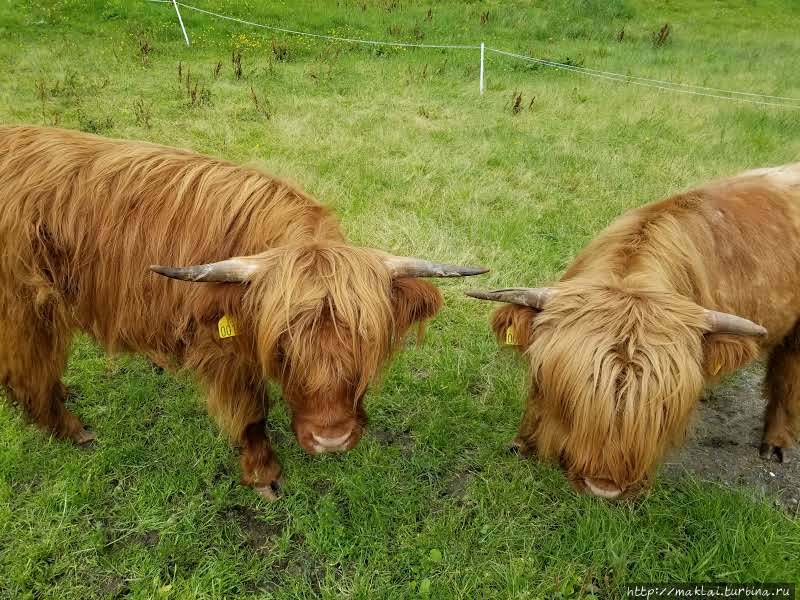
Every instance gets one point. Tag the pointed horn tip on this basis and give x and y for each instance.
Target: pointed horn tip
(443, 270)
(752, 329)
(172, 272)
(720, 322)
(479, 294)
(469, 271)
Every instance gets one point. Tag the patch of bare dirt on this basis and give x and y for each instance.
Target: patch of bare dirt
(258, 533)
(457, 486)
(147, 538)
(723, 445)
(298, 565)
(386, 437)
(113, 586)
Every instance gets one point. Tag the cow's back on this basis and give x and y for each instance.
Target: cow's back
(731, 245)
(83, 217)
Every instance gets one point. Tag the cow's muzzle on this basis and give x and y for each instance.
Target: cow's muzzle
(323, 445)
(602, 488)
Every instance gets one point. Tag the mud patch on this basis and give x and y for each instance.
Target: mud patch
(257, 532)
(400, 439)
(723, 444)
(322, 486)
(299, 565)
(148, 538)
(458, 485)
(113, 587)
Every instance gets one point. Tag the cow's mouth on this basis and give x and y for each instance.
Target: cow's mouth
(324, 445)
(602, 488)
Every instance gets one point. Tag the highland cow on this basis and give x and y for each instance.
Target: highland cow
(272, 289)
(669, 297)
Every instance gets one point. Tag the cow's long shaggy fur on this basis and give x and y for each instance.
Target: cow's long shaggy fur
(620, 354)
(311, 282)
(81, 220)
(639, 344)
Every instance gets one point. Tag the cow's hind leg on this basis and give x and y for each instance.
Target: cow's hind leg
(782, 418)
(239, 406)
(32, 360)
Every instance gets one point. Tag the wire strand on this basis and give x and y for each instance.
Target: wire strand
(326, 37)
(625, 79)
(659, 81)
(671, 86)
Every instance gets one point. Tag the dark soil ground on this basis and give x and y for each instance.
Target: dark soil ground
(723, 445)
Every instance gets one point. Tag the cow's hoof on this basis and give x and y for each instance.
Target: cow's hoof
(271, 491)
(767, 451)
(515, 447)
(520, 448)
(83, 437)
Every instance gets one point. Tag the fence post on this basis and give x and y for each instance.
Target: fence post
(481, 68)
(180, 20)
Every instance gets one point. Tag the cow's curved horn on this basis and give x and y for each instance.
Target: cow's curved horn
(232, 270)
(406, 266)
(533, 297)
(720, 322)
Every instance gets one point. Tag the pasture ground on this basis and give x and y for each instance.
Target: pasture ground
(399, 143)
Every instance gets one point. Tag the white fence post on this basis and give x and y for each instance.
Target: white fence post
(180, 20)
(481, 68)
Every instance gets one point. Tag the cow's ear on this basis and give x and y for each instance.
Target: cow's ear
(414, 301)
(513, 325)
(725, 352)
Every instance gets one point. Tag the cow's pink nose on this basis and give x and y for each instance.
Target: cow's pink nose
(324, 444)
(602, 488)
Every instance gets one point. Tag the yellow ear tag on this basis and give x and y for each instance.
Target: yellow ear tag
(510, 339)
(717, 367)
(226, 327)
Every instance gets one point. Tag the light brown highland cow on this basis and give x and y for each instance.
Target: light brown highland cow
(83, 218)
(671, 296)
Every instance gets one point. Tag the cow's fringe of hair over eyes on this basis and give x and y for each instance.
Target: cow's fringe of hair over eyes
(615, 393)
(340, 296)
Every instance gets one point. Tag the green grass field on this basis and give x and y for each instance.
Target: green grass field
(413, 160)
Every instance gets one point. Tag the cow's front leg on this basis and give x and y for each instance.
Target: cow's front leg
(240, 410)
(525, 441)
(260, 467)
(782, 417)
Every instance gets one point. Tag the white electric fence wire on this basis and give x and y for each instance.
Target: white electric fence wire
(625, 79)
(682, 88)
(326, 37)
(660, 81)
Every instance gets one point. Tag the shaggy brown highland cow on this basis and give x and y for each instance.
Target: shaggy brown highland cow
(83, 218)
(663, 301)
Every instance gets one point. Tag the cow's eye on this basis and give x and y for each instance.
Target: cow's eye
(280, 357)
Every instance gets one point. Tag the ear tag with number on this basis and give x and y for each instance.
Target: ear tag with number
(510, 339)
(226, 327)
